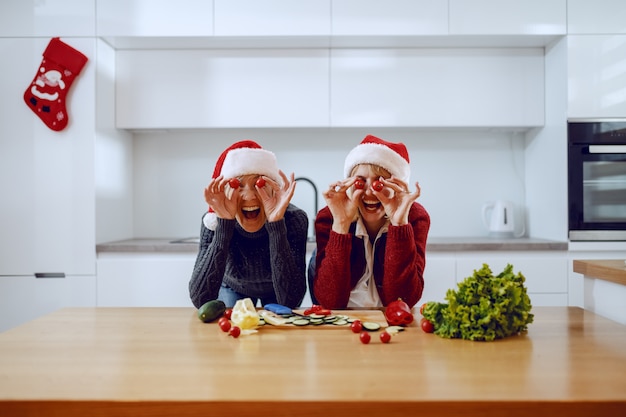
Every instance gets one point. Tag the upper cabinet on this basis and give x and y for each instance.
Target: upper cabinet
(161, 18)
(393, 17)
(596, 47)
(596, 76)
(36, 18)
(586, 17)
(460, 87)
(211, 88)
(272, 17)
(508, 17)
(330, 63)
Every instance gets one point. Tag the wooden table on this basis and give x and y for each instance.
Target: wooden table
(164, 361)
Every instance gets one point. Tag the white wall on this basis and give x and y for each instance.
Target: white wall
(458, 170)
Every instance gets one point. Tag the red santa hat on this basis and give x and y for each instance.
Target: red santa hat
(246, 158)
(243, 158)
(394, 157)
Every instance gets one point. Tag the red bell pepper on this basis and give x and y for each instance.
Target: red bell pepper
(398, 313)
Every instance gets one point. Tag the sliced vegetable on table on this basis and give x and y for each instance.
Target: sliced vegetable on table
(398, 313)
(245, 315)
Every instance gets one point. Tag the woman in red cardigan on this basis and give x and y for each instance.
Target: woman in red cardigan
(371, 236)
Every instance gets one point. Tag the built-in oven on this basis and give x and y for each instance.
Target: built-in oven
(597, 180)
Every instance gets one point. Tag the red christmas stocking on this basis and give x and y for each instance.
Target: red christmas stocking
(47, 93)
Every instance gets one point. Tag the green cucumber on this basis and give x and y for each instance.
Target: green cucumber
(211, 310)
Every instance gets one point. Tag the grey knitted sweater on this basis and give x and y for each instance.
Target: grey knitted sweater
(267, 264)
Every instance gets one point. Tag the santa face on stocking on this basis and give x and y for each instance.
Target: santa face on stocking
(47, 93)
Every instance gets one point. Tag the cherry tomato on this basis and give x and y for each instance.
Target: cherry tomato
(356, 326)
(317, 309)
(385, 337)
(426, 325)
(378, 185)
(234, 183)
(228, 313)
(224, 324)
(234, 332)
(423, 306)
(359, 184)
(365, 337)
(260, 182)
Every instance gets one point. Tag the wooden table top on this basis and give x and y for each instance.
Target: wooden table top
(164, 361)
(613, 270)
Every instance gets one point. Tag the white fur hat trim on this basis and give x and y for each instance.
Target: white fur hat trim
(249, 161)
(381, 155)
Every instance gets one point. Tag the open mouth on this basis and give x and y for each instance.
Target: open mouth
(371, 205)
(251, 212)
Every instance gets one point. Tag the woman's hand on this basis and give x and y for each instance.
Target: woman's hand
(276, 204)
(215, 194)
(341, 206)
(397, 203)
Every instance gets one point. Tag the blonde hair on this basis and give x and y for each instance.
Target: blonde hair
(374, 169)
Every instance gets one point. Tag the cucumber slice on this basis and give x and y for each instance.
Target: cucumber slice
(394, 329)
(340, 322)
(370, 326)
(300, 322)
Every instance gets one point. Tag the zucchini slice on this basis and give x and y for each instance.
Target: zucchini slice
(370, 326)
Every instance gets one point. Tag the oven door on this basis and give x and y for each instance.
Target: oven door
(597, 192)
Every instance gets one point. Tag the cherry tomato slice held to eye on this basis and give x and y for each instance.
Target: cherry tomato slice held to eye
(365, 337)
(234, 183)
(260, 182)
(359, 184)
(378, 185)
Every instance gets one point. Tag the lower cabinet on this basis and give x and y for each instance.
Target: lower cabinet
(25, 298)
(439, 276)
(545, 272)
(144, 279)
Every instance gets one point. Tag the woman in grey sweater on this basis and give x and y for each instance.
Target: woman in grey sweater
(252, 239)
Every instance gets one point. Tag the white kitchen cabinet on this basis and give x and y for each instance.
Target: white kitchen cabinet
(26, 298)
(394, 17)
(36, 18)
(508, 17)
(439, 277)
(545, 272)
(144, 279)
(155, 18)
(596, 17)
(47, 214)
(596, 76)
(437, 87)
(222, 88)
(272, 18)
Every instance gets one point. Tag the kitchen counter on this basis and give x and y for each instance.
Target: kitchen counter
(604, 284)
(447, 244)
(164, 361)
(613, 270)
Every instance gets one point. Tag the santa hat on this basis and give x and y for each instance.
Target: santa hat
(246, 158)
(394, 157)
(243, 158)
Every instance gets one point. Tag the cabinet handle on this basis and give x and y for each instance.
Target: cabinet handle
(49, 274)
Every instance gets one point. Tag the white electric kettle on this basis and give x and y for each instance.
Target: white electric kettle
(499, 218)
